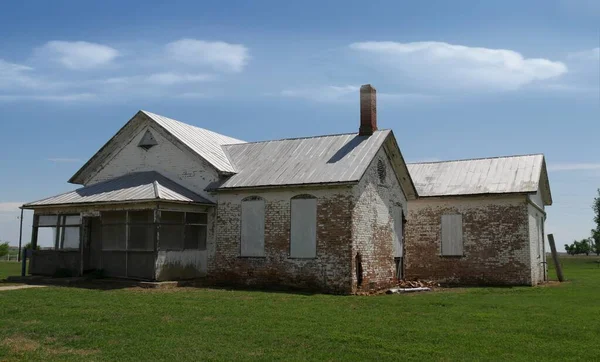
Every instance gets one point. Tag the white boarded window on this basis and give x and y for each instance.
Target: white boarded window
(398, 247)
(452, 235)
(303, 240)
(253, 227)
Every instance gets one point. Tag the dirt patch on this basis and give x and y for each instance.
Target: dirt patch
(71, 351)
(19, 344)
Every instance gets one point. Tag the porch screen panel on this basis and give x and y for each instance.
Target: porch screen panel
(195, 230)
(114, 230)
(171, 230)
(141, 230)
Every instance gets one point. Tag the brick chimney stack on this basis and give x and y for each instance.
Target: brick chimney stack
(368, 110)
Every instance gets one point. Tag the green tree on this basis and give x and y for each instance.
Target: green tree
(596, 232)
(3, 249)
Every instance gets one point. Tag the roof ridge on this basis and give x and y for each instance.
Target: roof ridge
(476, 159)
(150, 114)
(301, 138)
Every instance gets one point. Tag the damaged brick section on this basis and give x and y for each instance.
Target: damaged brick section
(495, 237)
(330, 271)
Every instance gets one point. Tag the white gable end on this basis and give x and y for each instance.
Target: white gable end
(164, 157)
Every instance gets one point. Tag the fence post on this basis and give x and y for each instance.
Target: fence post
(557, 265)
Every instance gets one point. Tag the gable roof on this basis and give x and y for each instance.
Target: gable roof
(202, 142)
(499, 175)
(137, 186)
(312, 160)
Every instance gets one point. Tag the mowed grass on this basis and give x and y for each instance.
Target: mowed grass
(556, 322)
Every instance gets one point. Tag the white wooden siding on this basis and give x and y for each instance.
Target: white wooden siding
(304, 228)
(398, 242)
(253, 228)
(452, 235)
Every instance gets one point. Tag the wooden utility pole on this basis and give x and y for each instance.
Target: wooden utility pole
(557, 265)
(20, 235)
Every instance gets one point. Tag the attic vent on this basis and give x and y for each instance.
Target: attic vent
(381, 172)
(147, 141)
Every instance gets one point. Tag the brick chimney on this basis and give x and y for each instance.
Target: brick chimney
(368, 110)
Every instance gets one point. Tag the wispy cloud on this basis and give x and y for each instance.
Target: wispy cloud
(588, 54)
(329, 93)
(450, 66)
(10, 206)
(78, 55)
(65, 160)
(219, 55)
(573, 166)
(76, 97)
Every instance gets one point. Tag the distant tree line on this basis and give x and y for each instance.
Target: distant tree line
(591, 244)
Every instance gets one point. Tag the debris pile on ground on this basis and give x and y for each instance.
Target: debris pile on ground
(417, 284)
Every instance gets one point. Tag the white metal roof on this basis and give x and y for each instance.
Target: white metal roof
(138, 186)
(322, 159)
(499, 175)
(205, 143)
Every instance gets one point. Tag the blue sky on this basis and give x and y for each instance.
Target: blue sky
(459, 79)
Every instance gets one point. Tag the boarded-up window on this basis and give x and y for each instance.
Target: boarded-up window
(253, 227)
(398, 240)
(452, 235)
(303, 241)
(540, 236)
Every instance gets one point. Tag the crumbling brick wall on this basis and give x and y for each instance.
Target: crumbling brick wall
(330, 271)
(495, 238)
(373, 226)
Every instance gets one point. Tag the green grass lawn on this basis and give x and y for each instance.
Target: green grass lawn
(8, 268)
(557, 322)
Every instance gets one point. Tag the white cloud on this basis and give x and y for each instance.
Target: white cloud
(10, 206)
(323, 93)
(450, 66)
(573, 166)
(218, 55)
(16, 76)
(64, 160)
(78, 55)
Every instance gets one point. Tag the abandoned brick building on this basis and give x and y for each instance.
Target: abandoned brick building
(164, 200)
(479, 221)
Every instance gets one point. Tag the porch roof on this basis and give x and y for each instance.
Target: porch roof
(137, 186)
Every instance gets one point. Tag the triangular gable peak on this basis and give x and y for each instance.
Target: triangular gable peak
(204, 144)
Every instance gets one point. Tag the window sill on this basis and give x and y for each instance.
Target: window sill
(452, 256)
(302, 258)
(251, 257)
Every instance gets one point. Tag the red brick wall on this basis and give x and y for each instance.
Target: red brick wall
(329, 272)
(495, 236)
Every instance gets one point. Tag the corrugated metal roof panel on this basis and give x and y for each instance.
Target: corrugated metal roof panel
(205, 143)
(322, 159)
(138, 186)
(513, 174)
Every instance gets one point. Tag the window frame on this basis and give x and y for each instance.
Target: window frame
(59, 227)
